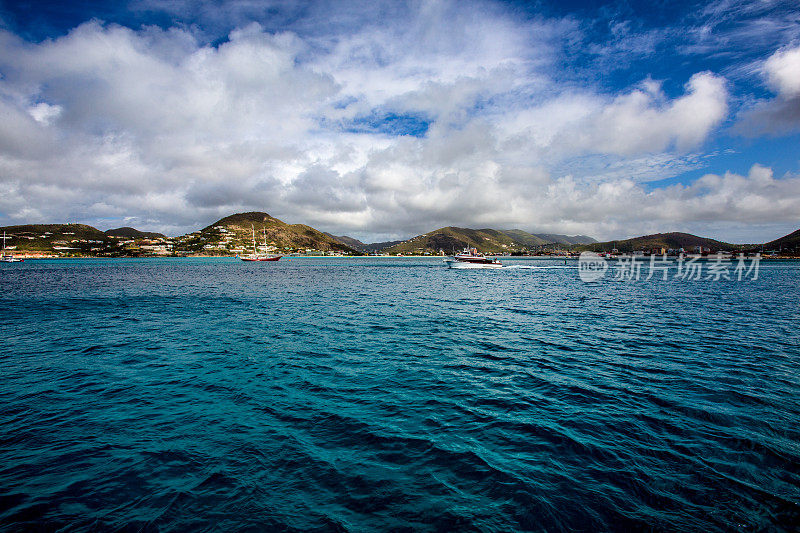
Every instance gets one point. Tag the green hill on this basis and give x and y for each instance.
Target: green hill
(565, 239)
(362, 246)
(452, 238)
(787, 243)
(376, 247)
(525, 239)
(673, 240)
(486, 240)
(236, 231)
(133, 233)
(69, 238)
(355, 244)
(80, 231)
(532, 240)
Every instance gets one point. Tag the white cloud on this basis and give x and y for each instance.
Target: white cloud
(45, 113)
(641, 121)
(625, 208)
(155, 127)
(782, 70)
(781, 114)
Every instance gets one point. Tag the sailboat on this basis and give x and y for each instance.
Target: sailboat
(254, 256)
(8, 258)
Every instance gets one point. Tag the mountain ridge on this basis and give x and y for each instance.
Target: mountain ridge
(234, 233)
(790, 241)
(672, 240)
(77, 238)
(133, 233)
(362, 246)
(239, 228)
(486, 240)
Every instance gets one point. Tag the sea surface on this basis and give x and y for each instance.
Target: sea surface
(377, 394)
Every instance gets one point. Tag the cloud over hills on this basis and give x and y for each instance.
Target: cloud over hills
(780, 114)
(447, 114)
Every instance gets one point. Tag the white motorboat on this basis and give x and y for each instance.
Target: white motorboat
(472, 258)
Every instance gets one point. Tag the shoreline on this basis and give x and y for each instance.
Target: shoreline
(289, 257)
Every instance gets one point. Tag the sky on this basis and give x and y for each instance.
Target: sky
(383, 120)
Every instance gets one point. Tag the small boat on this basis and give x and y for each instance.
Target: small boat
(260, 257)
(8, 258)
(255, 256)
(472, 258)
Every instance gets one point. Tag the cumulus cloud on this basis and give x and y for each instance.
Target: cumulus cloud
(734, 199)
(640, 121)
(161, 129)
(783, 72)
(781, 114)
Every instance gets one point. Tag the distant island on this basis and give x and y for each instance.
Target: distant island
(233, 235)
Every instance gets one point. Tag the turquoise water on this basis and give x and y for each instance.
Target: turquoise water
(375, 394)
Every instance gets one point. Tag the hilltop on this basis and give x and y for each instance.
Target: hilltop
(227, 236)
(674, 240)
(564, 239)
(453, 238)
(234, 234)
(133, 233)
(486, 240)
(786, 243)
(83, 240)
(355, 244)
(376, 247)
(79, 231)
(55, 238)
(362, 246)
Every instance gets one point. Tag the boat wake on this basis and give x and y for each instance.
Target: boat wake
(540, 267)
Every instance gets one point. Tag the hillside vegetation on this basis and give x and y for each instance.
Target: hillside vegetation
(673, 240)
(80, 231)
(78, 238)
(280, 235)
(787, 243)
(234, 234)
(486, 240)
(133, 233)
(355, 244)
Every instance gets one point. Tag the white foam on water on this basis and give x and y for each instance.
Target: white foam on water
(537, 267)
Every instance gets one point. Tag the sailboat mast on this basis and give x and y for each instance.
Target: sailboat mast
(255, 252)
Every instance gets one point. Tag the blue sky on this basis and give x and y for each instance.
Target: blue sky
(386, 119)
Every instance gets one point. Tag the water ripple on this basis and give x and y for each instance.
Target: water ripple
(352, 395)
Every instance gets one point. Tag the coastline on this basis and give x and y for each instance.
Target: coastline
(644, 259)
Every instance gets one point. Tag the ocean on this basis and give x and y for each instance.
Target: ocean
(373, 394)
